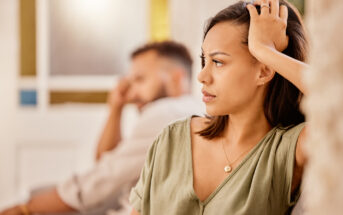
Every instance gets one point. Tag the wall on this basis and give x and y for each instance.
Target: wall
(188, 19)
(8, 70)
(324, 106)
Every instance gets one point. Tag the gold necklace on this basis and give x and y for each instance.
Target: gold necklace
(228, 167)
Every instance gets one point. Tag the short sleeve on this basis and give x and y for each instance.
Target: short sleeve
(113, 174)
(137, 192)
(292, 135)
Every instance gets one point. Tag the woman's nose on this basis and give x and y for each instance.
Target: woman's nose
(204, 76)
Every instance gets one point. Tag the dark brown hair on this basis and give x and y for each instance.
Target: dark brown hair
(169, 49)
(282, 100)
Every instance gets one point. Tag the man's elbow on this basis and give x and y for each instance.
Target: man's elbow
(134, 212)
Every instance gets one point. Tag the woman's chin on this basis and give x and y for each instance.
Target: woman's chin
(214, 112)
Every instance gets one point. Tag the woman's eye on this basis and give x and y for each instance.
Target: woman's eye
(218, 64)
(203, 61)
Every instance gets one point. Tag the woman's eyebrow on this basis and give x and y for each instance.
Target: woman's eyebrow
(219, 53)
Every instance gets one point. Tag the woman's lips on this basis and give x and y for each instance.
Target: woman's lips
(207, 97)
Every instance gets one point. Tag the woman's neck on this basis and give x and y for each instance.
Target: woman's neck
(246, 128)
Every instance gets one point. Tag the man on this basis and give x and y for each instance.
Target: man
(159, 84)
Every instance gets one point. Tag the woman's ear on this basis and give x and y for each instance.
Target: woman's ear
(265, 75)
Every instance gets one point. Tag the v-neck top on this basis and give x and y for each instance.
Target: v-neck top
(260, 184)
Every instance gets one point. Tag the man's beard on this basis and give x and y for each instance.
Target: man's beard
(162, 93)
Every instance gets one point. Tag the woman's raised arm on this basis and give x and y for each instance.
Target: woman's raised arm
(267, 38)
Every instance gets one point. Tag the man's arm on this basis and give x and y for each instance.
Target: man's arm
(111, 134)
(47, 202)
(134, 212)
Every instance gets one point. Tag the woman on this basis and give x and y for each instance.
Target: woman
(247, 157)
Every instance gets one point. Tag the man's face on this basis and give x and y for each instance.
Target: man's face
(148, 78)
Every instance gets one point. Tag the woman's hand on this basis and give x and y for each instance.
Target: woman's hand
(267, 29)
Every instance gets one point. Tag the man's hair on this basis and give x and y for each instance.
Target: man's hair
(168, 49)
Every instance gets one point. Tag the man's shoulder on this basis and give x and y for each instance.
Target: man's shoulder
(185, 103)
(167, 110)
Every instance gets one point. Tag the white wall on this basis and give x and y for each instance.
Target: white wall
(188, 19)
(8, 96)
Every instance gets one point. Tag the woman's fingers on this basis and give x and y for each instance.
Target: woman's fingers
(265, 6)
(275, 5)
(284, 13)
(257, 2)
(252, 11)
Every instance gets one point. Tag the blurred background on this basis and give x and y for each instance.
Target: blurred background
(58, 61)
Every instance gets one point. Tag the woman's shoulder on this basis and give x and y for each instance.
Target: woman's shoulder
(179, 133)
(179, 125)
(176, 131)
(291, 131)
(285, 141)
(172, 142)
(187, 124)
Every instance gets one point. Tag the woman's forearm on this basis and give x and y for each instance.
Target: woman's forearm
(291, 69)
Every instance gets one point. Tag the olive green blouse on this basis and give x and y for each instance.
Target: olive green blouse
(260, 184)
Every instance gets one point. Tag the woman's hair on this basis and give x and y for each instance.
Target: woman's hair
(282, 99)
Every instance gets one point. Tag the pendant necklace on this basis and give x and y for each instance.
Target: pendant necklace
(228, 167)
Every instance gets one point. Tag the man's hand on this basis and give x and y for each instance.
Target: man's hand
(269, 27)
(134, 212)
(118, 97)
(12, 211)
(46, 202)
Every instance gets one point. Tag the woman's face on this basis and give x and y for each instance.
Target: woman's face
(230, 73)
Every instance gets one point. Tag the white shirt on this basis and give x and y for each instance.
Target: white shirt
(118, 170)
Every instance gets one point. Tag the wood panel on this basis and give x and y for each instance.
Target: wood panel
(27, 37)
(62, 97)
